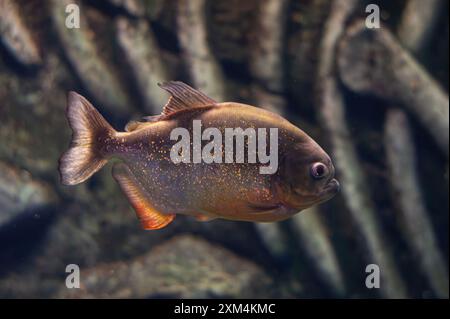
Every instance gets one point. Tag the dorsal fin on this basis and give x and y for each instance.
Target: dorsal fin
(183, 97)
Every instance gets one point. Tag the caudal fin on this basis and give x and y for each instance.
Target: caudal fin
(89, 128)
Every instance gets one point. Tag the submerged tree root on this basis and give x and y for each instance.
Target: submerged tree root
(16, 38)
(414, 216)
(142, 54)
(203, 68)
(353, 179)
(374, 62)
(415, 28)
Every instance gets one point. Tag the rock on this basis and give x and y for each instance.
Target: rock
(183, 267)
(20, 194)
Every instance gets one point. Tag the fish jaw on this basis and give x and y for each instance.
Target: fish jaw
(330, 190)
(296, 198)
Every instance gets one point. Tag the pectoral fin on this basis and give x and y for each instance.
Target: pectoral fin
(269, 212)
(261, 208)
(149, 217)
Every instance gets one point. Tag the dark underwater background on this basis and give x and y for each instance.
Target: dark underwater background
(385, 127)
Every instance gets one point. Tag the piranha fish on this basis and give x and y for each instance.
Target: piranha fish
(159, 188)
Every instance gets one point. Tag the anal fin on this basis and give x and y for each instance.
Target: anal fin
(149, 217)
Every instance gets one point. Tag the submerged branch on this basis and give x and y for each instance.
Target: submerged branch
(374, 62)
(418, 22)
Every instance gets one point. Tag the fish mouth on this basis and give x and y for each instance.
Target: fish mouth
(328, 191)
(331, 188)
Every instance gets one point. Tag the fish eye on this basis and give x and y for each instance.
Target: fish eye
(319, 170)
